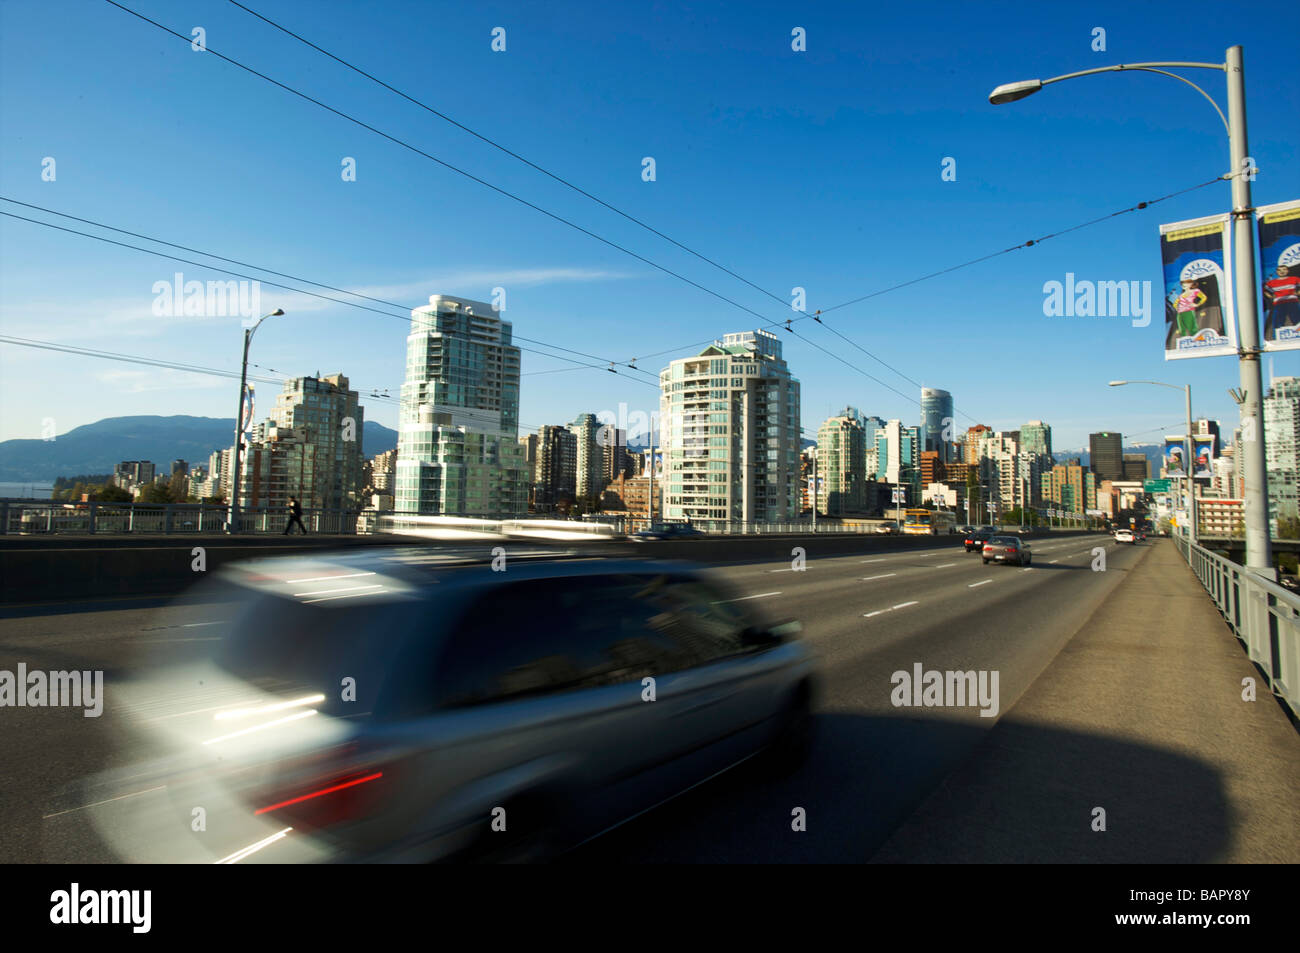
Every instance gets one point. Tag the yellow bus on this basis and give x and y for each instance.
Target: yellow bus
(927, 522)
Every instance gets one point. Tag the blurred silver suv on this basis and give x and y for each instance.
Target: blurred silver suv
(377, 708)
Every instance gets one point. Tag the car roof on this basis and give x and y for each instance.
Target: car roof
(382, 574)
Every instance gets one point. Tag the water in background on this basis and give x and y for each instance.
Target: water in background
(26, 491)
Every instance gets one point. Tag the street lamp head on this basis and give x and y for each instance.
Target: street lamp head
(1118, 383)
(277, 312)
(1010, 92)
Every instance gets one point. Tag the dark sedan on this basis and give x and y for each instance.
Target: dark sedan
(976, 540)
(667, 531)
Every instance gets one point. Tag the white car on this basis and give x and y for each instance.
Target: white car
(1125, 536)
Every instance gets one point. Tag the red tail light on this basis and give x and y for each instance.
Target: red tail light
(320, 792)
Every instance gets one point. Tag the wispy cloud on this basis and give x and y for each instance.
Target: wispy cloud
(162, 379)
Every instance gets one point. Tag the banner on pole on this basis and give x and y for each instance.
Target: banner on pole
(1203, 448)
(1279, 259)
(1200, 320)
(1175, 451)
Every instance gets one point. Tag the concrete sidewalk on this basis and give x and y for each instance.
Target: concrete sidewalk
(1141, 715)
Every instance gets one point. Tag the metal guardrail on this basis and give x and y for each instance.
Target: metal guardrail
(1264, 616)
(47, 518)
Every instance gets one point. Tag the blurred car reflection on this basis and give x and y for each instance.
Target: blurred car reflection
(363, 708)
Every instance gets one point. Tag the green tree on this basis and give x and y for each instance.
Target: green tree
(1288, 527)
(112, 493)
(156, 493)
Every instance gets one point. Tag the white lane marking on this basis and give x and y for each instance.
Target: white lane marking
(945, 566)
(345, 575)
(243, 852)
(880, 560)
(97, 803)
(195, 625)
(781, 570)
(984, 583)
(1055, 561)
(321, 592)
(761, 595)
(901, 605)
(1027, 568)
(212, 638)
(885, 576)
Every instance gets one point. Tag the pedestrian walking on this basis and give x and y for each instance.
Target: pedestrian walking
(295, 516)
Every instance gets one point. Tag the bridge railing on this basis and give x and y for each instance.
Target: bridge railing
(1262, 614)
(50, 518)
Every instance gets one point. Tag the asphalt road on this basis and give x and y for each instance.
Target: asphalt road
(867, 616)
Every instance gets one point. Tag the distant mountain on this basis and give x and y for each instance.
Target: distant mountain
(99, 447)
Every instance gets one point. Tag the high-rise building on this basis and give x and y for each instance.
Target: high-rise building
(555, 470)
(938, 426)
(1106, 455)
(1136, 466)
(972, 442)
(180, 466)
(1282, 447)
(898, 451)
(615, 461)
(1070, 487)
(729, 420)
(458, 450)
(1036, 438)
(841, 465)
(318, 423)
(591, 455)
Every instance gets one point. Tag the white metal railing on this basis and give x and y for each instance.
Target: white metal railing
(1262, 614)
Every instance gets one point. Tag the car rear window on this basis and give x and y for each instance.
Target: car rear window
(282, 646)
(1003, 541)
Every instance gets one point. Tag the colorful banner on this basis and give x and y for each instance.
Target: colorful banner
(1204, 450)
(1200, 320)
(1175, 452)
(246, 416)
(1279, 259)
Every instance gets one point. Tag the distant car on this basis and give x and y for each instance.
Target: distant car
(1289, 582)
(475, 696)
(965, 530)
(1125, 536)
(666, 531)
(1007, 549)
(976, 539)
(1025, 529)
(886, 529)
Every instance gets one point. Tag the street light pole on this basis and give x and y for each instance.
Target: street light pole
(233, 525)
(1259, 555)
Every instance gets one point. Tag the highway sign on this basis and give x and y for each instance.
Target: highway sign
(1155, 486)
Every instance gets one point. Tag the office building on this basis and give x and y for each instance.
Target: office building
(730, 433)
(841, 465)
(1282, 448)
(591, 455)
(555, 469)
(1136, 467)
(938, 426)
(458, 451)
(1106, 455)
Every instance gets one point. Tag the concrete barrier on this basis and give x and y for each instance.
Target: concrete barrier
(74, 569)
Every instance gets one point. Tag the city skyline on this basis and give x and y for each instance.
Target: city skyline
(289, 209)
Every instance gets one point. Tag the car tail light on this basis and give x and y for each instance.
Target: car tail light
(315, 792)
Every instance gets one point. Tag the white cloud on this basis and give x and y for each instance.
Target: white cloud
(162, 379)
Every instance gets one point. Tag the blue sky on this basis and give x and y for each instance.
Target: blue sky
(818, 169)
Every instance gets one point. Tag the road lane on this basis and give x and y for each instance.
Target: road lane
(867, 618)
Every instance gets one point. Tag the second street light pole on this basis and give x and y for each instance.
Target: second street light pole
(233, 525)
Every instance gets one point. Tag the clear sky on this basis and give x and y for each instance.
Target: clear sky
(818, 169)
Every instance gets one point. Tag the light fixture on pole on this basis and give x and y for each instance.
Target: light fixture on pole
(1259, 555)
(232, 525)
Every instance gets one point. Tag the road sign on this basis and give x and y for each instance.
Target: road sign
(1155, 486)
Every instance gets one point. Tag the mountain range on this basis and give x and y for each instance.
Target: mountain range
(99, 447)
